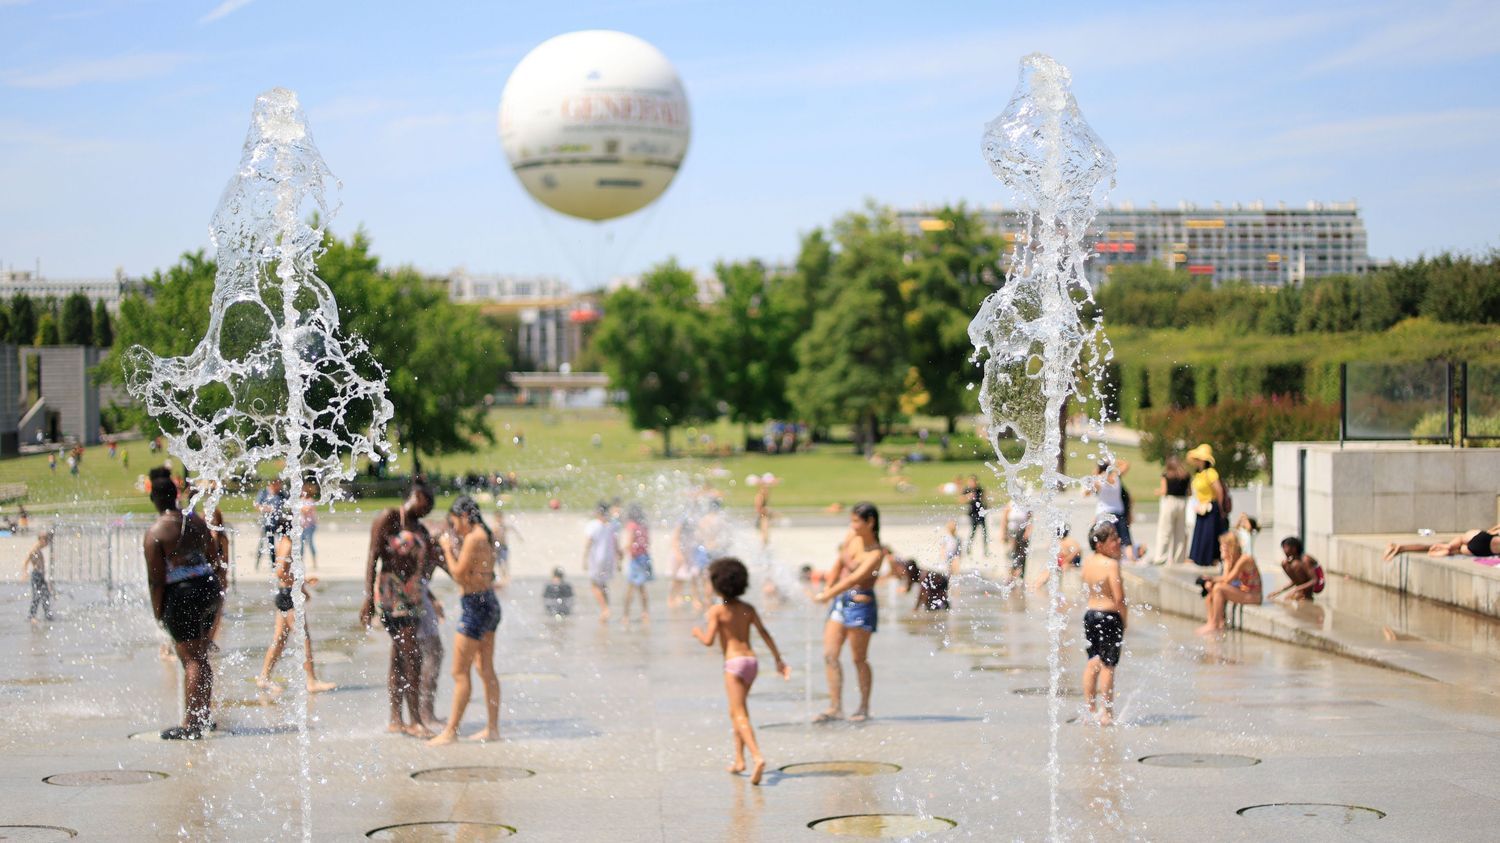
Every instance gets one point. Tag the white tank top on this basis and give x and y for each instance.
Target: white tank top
(1110, 499)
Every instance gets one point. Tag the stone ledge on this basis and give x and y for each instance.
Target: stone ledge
(1452, 580)
(1171, 590)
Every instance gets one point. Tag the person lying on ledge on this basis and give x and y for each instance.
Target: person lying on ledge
(1478, 543)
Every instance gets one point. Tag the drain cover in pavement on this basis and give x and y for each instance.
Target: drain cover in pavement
(530, 677)
(472, 775)
(1199, 759)
(33, 681)
(96, 778)
(1321, 813)
(881, 825)
(1042, 692)
(1009, 668)
(834, 769)
(442, 831)
(35, 833)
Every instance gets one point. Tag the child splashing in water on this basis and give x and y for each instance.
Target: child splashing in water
(730, 623)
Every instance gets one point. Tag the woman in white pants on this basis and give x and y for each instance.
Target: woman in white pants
(1171, 519)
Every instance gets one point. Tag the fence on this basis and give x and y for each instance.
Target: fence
(108, 554)
(1430, 401)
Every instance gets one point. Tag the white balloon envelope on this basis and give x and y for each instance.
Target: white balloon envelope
(595, 123)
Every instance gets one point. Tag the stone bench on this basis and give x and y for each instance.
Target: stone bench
(1454, 580)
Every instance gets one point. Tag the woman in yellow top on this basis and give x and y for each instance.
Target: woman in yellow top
(1208, 503)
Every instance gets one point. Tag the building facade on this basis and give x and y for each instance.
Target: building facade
(38, 286)
(553, 322)
(1252, 243)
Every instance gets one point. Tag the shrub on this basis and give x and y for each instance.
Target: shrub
(1241, 432)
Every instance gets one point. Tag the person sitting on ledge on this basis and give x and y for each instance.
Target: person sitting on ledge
(1239, 584)
(1304, 572)
(1478, 543)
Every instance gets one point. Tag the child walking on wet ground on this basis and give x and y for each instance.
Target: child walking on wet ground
(729, 623)
(36, 563)
(1104, 620)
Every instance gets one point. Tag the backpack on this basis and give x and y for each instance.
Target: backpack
(1318, 579)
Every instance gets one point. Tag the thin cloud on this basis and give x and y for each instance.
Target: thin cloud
(117, 69)
(224, 10)
(1461, 30)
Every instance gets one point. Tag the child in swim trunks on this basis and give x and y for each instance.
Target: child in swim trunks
(730, 623)
(1105, 619)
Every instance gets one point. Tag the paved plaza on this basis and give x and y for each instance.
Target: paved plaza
(616, 732)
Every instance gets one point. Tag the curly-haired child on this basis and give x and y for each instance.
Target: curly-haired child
(729, 623)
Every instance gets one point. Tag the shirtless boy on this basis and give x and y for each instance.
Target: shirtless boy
(36, 563)
(1103, 620)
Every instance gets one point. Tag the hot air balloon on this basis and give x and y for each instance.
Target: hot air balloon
(595, 123)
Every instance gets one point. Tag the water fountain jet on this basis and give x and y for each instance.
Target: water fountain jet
(1032, 334)
(274, 381)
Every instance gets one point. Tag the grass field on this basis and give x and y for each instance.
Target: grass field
(580, 456)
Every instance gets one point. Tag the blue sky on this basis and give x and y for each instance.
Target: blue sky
(121, 120)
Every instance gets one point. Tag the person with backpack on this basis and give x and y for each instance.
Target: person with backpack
(1303, 570)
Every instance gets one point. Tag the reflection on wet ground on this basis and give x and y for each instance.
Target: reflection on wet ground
(628, 727)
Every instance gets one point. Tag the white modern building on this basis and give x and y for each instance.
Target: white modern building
(38, 286)
(1272, 246)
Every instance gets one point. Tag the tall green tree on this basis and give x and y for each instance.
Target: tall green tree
(957, 265)
(77, 320)
(653, 344)
(104, 332)
(46, 331)
(752, 333)
(4, 323)
(23, 319)
(440, 358)
(852, 364)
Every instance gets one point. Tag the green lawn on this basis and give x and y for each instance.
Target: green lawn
(560, 458)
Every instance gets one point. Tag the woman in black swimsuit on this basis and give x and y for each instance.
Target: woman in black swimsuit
(186, 576)
(1477, 543)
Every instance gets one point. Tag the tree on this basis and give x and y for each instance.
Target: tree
(751, 335)
(22, 320)
(440, 358)
(4, 323)
(46, 331)
(852, 364)
(77, 320)
(653, 344)
(104, 332)
(958, 264)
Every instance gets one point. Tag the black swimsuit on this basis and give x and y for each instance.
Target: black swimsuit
(1480, 542)
(190, 605)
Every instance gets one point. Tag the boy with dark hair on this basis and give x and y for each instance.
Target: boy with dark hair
(36, 563)
(1104, 619)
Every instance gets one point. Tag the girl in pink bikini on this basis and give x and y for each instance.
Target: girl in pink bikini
(730, 623)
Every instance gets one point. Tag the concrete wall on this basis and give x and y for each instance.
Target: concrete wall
(68, 390)
(1381, 487)
(10, 398)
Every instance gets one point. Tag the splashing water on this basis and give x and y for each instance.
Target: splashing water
(1031, 333)
(274, 380)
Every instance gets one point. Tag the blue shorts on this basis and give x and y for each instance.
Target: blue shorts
(639, 572)
(855, 614)
(481, 614)
(701, 558)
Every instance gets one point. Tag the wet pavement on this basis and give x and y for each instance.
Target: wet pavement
(615, 732)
